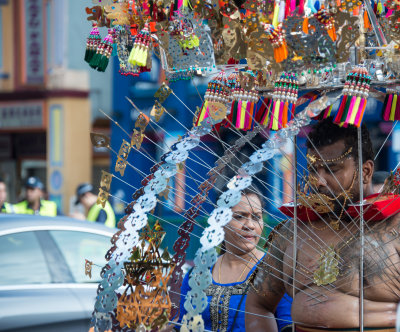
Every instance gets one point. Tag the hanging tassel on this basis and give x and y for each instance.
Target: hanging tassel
(301, 7)
(305, 25)
(244, 99)
(262, 115)
(278, 42)
(92, 42)
(326, 19)
(367, 23)
(102, 57)
(276, 14)
(284, 99)
(391, 105)
(354, 100)
(140, 50)
(217, 91)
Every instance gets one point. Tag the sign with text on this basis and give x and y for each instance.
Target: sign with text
(22, 115)
(33, 43)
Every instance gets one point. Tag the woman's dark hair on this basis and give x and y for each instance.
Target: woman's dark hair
(251, 190)
(326, 133)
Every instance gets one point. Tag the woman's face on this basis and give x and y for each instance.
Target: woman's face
(244, 230)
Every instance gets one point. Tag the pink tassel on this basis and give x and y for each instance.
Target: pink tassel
(351, 110)
(281, 115)
(386, 115)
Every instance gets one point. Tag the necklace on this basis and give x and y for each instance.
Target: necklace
(219, 269)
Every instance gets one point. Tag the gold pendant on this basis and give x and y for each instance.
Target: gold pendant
(335, 224)
(328, 270)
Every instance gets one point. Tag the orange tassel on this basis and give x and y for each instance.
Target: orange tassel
(285, 114)
(356, 11)
(332, 33)
(367, 24)
(305, 25)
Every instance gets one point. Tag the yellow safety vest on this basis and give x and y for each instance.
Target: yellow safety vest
(47, 208)
(7, 208)
(95, 210)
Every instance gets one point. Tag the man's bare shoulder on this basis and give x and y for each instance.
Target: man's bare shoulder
(280, 235)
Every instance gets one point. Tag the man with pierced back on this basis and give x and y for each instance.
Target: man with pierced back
(326, 296)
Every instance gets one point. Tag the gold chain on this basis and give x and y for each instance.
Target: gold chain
(313, 159)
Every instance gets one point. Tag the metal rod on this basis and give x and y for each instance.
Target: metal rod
(380, 37)
(361, 272)
(294, 219)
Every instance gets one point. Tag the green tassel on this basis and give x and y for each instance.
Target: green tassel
(103, 63)
(346, 109)
(94, 62)
(88, 55)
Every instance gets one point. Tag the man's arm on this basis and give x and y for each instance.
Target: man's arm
(269, 287)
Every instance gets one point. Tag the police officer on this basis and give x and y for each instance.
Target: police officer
(34, 204)
(94, 212)
(5, 207)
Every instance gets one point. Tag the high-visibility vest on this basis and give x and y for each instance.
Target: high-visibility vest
(95, 210)
(7, 208)
(47, 208)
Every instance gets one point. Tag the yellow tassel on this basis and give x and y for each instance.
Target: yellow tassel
(276, 15)
(142, 59)
(393, 110)
(133, 55)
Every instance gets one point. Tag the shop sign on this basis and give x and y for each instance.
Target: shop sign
(34, 58)
(22, 115)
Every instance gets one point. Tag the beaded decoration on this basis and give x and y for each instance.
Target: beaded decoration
(283, 101)
(217, 92)
(244, 100)
(92, 42)
(354, 100)
(324, 17)
(140, 54)
(276, 38)
(103, 53)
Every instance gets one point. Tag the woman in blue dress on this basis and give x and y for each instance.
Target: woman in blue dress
(234, 270)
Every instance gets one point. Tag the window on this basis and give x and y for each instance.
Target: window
(78, 246)
(22, 260)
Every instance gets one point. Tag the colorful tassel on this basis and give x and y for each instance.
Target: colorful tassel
(278, 42)
(244, 100)
(262, 113)
(103, 53)
(140, 50)
(354, 100)
(284, 101)
(328, 21)
(217, 91)
(391, 105)
(92, 42)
